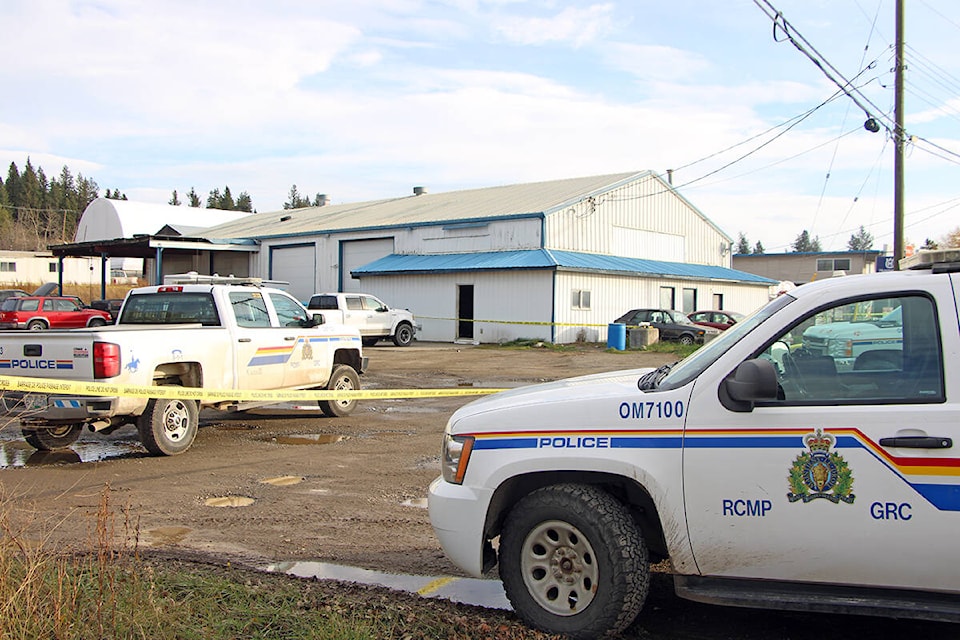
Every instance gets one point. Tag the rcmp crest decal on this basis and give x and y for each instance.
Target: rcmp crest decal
(820, 473)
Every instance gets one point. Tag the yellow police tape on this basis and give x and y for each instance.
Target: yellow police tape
(70, 387)
(527, 322)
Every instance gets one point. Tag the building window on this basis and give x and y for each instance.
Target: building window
(581, 299)
(52, 267)
(8, 267)
(831, 264)
(667, 297)
(718, 301)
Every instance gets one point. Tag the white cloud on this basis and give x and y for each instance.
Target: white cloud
(573, 26)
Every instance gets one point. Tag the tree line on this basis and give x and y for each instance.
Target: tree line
(862, 240)
(37, 211)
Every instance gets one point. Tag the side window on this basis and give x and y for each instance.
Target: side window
(289, 312)
(371, 304)
(353, 303)
(49, 305)
(30, 305)
(249, 309)
(862, 352)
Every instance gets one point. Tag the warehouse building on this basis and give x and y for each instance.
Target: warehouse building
(556, 261)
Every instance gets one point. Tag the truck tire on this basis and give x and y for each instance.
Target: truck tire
(573, 562)
(343, 378)
(51, 438)
(403, 336)
(36, 325)
(168, 426)
(369, 342)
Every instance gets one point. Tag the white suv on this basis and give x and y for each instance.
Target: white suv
(766, 473)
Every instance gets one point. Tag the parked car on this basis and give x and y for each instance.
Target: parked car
(722, 320)
(370, 315)
(673, 325)
(49, 312)
(12, 293)
(110, 305)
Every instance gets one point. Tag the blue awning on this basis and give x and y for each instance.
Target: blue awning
(402, 264)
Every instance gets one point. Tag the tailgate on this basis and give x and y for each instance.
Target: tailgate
(65, 355)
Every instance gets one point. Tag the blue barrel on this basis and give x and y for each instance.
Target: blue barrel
(617, 336)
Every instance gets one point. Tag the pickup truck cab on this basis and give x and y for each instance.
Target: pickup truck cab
(765, 473)
(370, 315)
(206, 332)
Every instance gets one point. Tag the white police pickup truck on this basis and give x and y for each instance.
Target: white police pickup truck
(765, 474)
(222, 334)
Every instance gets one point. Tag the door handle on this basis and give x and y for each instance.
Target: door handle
(917, 442)
(244, 340)
(290, 338)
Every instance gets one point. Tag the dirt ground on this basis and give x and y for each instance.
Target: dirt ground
(350, 491)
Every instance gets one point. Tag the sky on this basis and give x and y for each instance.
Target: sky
(366, 99)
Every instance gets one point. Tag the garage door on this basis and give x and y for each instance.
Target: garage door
(296, 264)
(356, 253)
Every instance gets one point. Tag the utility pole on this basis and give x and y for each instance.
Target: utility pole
(899, 141)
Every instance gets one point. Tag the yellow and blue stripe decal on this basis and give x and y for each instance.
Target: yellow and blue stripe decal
(280, 354)
(916, 472)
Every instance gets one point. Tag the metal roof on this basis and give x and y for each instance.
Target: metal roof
(397, 264)
(517, 200)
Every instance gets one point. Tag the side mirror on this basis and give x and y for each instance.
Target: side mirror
(752, 381)
(314, 320)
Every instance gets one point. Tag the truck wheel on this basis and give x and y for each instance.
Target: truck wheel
(343, 378)
(369, 342)
(573, 562)
(685, 339)
(168, 426)
(50, 438)
(403, 336)
(36, 325)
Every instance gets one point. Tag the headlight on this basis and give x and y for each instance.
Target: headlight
(456, 456)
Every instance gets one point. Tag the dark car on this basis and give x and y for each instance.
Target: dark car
(672, 325)
(12, 293)
(722, 320)
(49, 312)
(110, 305)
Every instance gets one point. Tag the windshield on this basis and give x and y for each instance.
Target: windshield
(691, 367)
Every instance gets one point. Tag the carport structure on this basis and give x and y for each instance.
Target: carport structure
(164, 253)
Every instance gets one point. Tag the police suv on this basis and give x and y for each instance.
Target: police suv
(768, 475)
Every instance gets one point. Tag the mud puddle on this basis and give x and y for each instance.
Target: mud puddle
(15, 453)
(473, 591)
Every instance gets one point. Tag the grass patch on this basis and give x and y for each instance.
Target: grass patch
(111, 591)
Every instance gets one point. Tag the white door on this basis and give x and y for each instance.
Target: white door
(356, 253)
(296, 264)
(262, 348)
(852, 477)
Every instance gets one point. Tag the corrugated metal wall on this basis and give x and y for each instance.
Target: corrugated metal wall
(611, 296)
(501, 300)
(644, 219)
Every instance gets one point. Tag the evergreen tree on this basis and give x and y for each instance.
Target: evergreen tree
(174, 200)
(193, 200)
(12, 186)
(803, 243)
(862, 240)
(742, 245)
(244, 203)
(758, 248)
(295, 200)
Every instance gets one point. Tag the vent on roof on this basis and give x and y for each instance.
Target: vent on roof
(323, 200)
(419, 191)
(285, 218)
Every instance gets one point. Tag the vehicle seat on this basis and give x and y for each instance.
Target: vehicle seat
(879, 360)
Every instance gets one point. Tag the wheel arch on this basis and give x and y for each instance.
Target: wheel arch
(181, 374)
(350, 357)
(627, 490)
